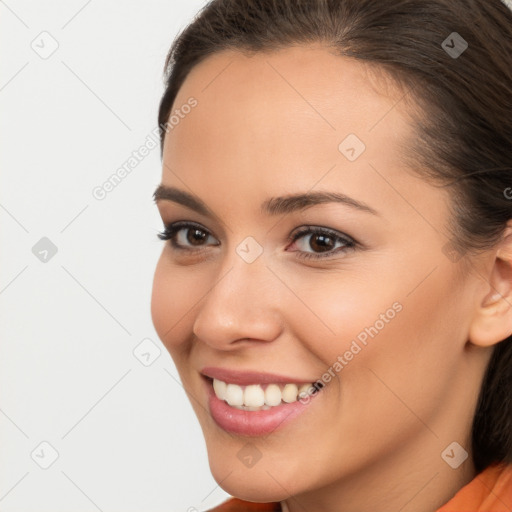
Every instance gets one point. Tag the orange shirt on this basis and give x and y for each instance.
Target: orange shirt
(489, 491)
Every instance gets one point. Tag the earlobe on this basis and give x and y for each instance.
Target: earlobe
(492, 322)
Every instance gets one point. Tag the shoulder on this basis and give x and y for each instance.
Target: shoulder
(490, 490)
(236, 505)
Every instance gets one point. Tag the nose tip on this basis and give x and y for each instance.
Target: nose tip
(222, 324)
(241, 306)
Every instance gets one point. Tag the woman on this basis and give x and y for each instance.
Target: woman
(335, 289)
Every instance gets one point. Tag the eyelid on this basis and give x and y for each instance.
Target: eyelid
(171, 229)
(349, 242)
(170, 210)
(312, 229)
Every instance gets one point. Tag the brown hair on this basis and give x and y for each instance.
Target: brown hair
(464, 135)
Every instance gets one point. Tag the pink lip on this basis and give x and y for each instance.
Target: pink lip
(247, 378)
(252, 423)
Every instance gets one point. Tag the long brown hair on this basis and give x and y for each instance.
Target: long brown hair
(457, 57)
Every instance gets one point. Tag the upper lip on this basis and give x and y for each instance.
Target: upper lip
(245, 378)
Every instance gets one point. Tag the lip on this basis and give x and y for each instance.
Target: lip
(245, 378)
(253, 423)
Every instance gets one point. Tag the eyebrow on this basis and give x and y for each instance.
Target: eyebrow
(273, 206)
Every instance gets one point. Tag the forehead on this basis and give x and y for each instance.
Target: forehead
(294, 93)
(287, 121)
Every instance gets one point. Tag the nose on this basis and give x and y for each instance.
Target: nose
(242, 304)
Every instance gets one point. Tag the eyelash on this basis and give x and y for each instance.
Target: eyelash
(170, 231)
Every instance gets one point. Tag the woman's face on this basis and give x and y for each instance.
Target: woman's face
(372, 304)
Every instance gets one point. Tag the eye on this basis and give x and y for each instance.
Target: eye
(325, 242)
(185, 235)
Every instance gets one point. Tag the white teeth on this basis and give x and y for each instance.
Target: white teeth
(304, 390)
(234, 395)
(290, 393)
(273, 395)
(220, 388)
(255, 398)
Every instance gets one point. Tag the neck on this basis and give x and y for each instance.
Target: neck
(408, 480)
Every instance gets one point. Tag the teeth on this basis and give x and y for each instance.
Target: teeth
(273, 395)
(255, 398)
(234, 395)
(220, 388)
(290, 393)
(304, 390)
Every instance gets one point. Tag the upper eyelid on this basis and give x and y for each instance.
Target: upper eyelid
(304, 229)
(183, 224)
(312, 228)
(161, 206)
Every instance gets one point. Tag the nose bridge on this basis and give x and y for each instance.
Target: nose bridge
(240, 302)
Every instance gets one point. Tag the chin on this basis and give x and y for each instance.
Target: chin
(244, 485)
(263, 482)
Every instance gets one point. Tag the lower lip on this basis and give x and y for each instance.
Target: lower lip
(253, 423)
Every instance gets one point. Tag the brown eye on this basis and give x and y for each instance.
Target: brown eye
(185, 235)
(320, 242)
(194, 236)
(316, 242)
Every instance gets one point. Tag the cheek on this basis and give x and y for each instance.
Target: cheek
(172, 301)
(338, 316)
(159, 299)
(381, 341)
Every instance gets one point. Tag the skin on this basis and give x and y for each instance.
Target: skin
(270, 125)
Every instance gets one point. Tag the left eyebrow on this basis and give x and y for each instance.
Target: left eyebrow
(291, 203)
(273, 206)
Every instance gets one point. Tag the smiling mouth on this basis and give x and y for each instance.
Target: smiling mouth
(262, 397)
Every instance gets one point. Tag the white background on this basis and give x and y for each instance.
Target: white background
(125, 433)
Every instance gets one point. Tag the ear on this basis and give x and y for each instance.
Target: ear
(492, 322)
